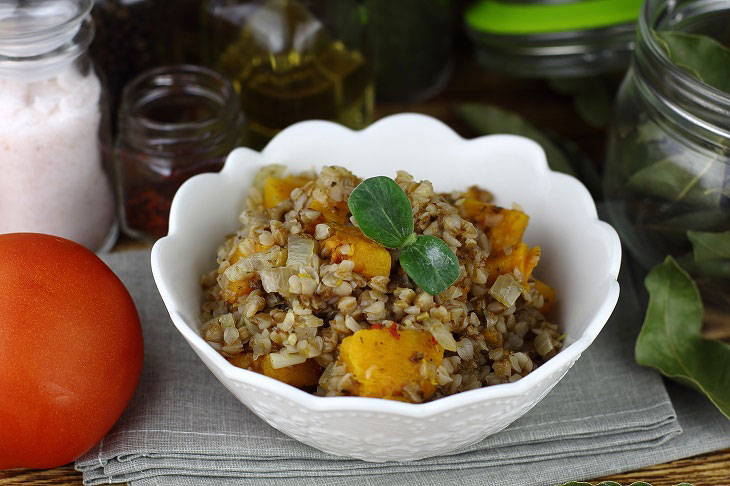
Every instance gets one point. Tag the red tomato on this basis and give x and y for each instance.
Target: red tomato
(70, 350)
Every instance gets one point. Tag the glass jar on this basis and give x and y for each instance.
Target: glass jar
(668, 155)
(553, 38)
(174, 122)
(125, 42)
(133, 36)
(53, 125)
(410, 44)
(291, 60)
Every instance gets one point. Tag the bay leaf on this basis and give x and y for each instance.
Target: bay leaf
(562, 155)
(592, 97)
(595, 106)
(670, 338)
(709, 246)
(643, 144)
(587, 172)
(702, 56)
(702, 220)
(490, 119)
(690, 179)
(718, 271)
(670, 222)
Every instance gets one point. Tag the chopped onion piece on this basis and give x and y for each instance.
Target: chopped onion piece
(244, 267)
(272, 170)
(301, 252)
(442, 335)
(543, 343)
(282, 360)
(276, 279)
(506, 290)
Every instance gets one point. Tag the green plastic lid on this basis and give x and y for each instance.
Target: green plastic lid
(513, 18)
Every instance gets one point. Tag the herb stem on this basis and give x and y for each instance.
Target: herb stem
(410, 240)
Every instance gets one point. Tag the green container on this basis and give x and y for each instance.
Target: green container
(553, 38)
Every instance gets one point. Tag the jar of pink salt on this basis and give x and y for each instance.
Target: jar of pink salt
(54, 175)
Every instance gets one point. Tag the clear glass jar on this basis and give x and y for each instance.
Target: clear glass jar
(53, 125)
(291, 60)
(553, 38)
(668, 155)
(174, 122)
(410, 43)
(133, 36)
(126, 40)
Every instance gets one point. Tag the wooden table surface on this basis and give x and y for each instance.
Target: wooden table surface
(546, 109)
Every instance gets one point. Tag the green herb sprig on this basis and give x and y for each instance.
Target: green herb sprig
(384, 214)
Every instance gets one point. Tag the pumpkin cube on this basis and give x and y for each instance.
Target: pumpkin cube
(520, 257)
(504, 227)
(382, 361)
(548, 296)
(278, 189)
(371, 258)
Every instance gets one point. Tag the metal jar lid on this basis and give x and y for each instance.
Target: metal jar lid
(553, 38)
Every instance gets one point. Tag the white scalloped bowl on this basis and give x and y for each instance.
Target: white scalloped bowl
(580, 259)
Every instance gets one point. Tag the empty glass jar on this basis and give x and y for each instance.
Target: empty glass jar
(174, 122)
(667, 171)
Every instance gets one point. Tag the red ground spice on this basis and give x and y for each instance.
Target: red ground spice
(394, 331)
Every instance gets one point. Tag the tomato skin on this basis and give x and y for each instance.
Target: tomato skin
(71, 350)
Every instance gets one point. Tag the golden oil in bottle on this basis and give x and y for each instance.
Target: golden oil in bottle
(287, 66)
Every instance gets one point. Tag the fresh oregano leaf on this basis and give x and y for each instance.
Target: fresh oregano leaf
(702, 56)
(382, 211)
(430, 263)
(670, 338)
(709, 246)
(384, 214)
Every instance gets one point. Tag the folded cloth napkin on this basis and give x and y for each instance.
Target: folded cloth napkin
(183, 427)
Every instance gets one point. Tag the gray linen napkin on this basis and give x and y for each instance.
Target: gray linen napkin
(183, 427)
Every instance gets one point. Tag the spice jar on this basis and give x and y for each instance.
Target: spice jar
(53, 125)
(174, 122)
(291, 60)
(667, 170)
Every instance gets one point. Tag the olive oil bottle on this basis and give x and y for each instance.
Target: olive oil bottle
(288, 64)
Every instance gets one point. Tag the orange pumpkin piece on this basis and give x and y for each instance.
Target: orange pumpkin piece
(234, 290)
(548, 296)
(299, 375)
(521, 257)
(371, 258)
(278, 189)
(238, 254)
(504, 227)
(472, 193)
(382, 362)
(332, 212)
